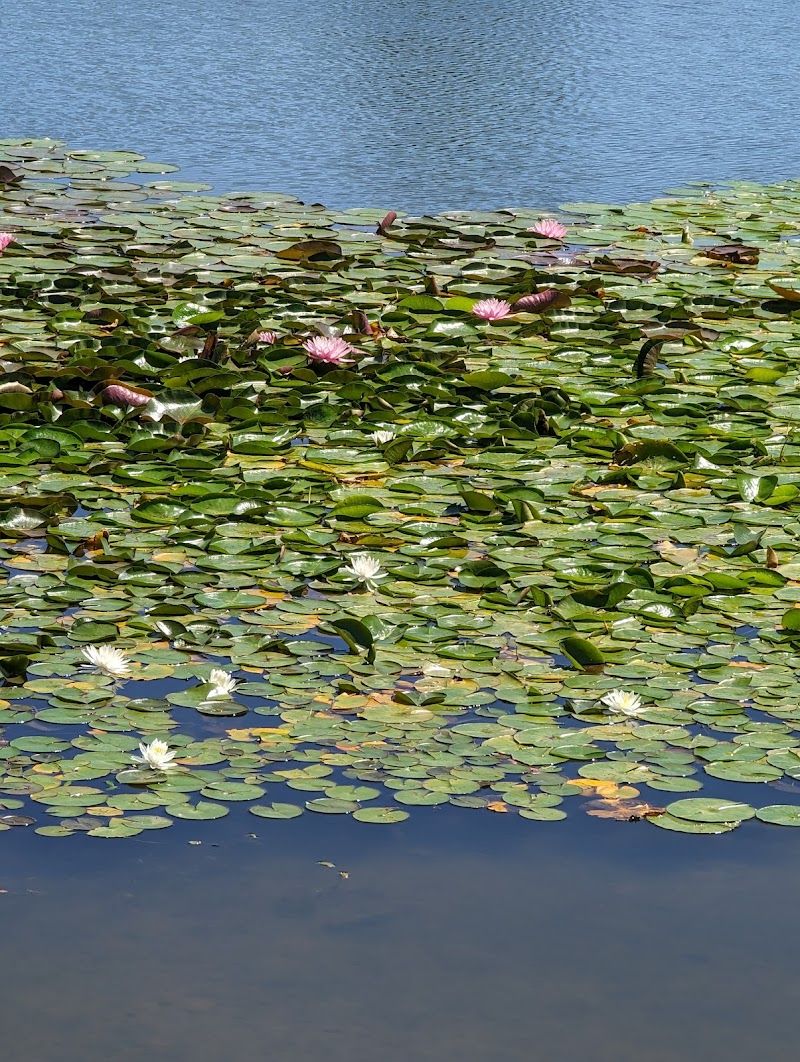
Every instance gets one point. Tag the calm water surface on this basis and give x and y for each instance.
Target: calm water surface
(417, 105)
(457, 935)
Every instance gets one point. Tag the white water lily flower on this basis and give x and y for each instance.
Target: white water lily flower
(381, 437)
(365, 568)
(624, 702)
(222, 685)
(108, 660)
(156, 755)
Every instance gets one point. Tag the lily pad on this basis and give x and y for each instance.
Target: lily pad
(202, 810)
(670, 822)
(276, 811)
(332, 806)
(780, 814)
(380, 815)
(709, 809)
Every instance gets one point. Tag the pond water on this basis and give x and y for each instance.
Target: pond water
(451, 935)
(416, 106)
(490, 939)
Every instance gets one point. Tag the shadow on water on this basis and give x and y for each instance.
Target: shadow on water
(453, 936)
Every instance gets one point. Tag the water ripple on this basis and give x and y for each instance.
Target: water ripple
(413, 105)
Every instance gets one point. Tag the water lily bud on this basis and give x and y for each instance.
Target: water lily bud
(117, 394)
(538, 300)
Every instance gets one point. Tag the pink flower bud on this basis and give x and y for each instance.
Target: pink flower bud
(117, 394)
(536, 302)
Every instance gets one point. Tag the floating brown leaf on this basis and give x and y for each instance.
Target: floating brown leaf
(626, 266)
(790, 294)
(732, 254)
(8, 177)
(361, 323)
(311, 251)
(212, 348)
(622, 810)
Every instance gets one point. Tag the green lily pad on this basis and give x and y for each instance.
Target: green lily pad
(232, 791)
(670, 822)
(780, 814)
(144, 822)
(359, 793)
(202, 810)
(709, 809)
(733, 771)
(276, 811)
(331, 806)
(379, 815)
(422, 797)
(542, 814)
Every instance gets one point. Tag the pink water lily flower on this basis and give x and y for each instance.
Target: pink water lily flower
(550, 229)
(266, 337)
(330, 350)
(492, 309)
(5, 239)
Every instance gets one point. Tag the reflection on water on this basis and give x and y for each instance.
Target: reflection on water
(416, 105)
(450, 939)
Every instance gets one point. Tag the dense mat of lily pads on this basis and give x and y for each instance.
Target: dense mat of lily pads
(471, 509)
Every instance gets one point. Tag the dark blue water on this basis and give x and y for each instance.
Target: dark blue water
(455, 936)
(416, 105)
